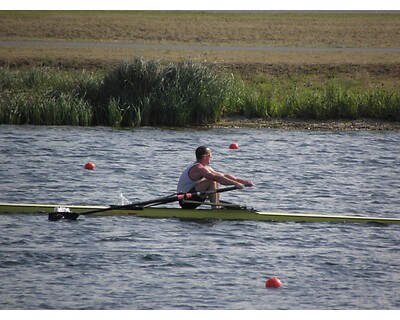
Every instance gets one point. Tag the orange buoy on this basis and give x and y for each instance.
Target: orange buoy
(90, 166)
(273, 283)
(233, 146)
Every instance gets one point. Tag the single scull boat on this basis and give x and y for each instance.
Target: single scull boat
(227, 213)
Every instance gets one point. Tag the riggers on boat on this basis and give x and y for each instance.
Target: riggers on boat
(228, 212)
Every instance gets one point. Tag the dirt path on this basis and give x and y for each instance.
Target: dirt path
(121, 45)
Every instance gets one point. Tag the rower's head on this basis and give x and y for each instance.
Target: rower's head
(203, 151)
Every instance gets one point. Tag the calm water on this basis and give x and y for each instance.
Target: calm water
(133, 263)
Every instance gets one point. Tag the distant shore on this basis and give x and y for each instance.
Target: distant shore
(321, 64)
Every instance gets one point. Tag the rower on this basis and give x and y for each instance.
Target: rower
(200, 176)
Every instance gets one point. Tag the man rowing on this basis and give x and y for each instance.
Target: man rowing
(199, 177)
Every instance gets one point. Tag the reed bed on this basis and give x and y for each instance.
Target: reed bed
(43, 97)
(331, 100)
(148, 93)
(186, 93)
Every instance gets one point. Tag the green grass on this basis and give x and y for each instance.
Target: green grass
(148, 93)
(329, 100)
(43, 97)
(186, 93)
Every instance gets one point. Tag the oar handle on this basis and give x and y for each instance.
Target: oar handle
(208, 192)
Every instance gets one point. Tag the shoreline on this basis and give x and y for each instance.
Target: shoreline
(299, 124)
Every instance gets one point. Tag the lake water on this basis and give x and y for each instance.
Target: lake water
(136, 263)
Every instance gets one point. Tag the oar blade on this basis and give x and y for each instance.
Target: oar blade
(62, 213)
(55, 216)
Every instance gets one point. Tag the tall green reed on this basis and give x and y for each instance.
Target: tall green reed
(50, 110)
(150, 93)
(42, 97)
(333, 100)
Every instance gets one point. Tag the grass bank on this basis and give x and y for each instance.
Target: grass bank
(90, 86)
(139, 93)
(186, 93)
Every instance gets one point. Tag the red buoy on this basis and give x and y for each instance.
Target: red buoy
(273, 283)
(90, 166)
(233, 146)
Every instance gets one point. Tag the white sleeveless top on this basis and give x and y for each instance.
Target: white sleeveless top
(185, 183)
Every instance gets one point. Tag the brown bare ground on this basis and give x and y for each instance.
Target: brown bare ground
(323, 125)
(274, 29)
(291, 29)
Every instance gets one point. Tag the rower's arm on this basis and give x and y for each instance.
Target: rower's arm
(211, 174)
(247, 183)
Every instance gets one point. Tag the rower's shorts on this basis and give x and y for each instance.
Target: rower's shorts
(195, 197)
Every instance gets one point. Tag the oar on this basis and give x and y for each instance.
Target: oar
(55, 216)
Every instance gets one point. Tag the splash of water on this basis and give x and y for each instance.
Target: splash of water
(122, 201)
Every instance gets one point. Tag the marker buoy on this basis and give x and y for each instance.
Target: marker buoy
(90, 166)
(273, 283)
(233, 146)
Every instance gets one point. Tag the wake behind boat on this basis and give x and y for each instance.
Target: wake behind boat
(228, 212)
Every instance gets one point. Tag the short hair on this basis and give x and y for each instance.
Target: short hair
(201, 152)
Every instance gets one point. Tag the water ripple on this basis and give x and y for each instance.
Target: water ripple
(129, 263)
